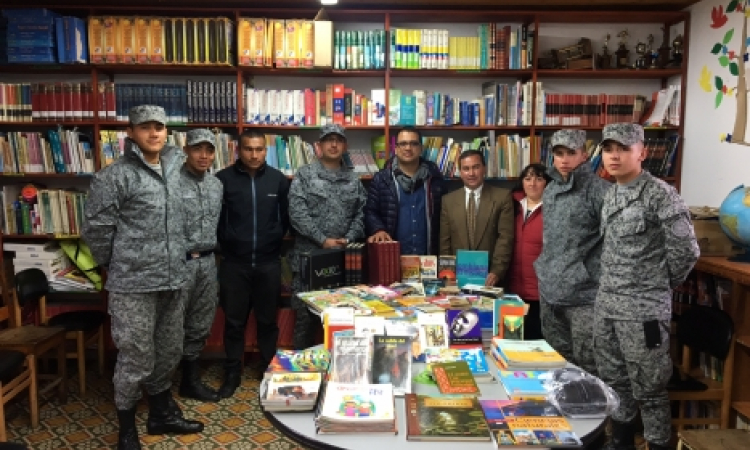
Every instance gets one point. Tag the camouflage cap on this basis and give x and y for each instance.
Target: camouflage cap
(332, 129)
(626, 134)
(198, 135)
(572, 139)
(147, 113)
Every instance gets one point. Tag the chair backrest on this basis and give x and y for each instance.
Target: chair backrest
(707, 330)
(31, 285)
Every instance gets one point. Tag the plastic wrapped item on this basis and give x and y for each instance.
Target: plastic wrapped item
(580, 395)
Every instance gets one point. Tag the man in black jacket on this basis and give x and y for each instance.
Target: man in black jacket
(254, 219)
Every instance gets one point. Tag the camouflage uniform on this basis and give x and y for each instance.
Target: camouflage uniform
(201, 196)
(649, 249)
(322, 204)
(134, 225)
(568, 267)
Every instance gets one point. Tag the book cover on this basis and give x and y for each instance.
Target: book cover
(464, 326)
(473, 357)
(508, 314)
(287, 387)
(428, 267)
(410, 268)
(528, 353)
(391, 362)
(309, 360)
(528, 423)
(447, 269)
(444, 419)
(524, 384)
(454, 377)
(434, 335)
(358, 402)
(471, 267)
(351, 360)
(407, 327)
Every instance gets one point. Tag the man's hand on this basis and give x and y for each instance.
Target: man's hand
(491, 279)
(334, 242)
(380, 236)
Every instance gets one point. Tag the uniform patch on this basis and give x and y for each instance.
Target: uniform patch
(681, 228)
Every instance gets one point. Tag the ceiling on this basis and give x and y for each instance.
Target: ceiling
(640, 5)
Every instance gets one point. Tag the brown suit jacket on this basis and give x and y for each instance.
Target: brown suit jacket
(495, 226)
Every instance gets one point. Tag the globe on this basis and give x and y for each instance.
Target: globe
(734, 218)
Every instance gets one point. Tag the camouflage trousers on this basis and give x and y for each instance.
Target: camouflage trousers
(304, 322)
(569, 330)
(638, 374)
(201, 297)
(147, 329)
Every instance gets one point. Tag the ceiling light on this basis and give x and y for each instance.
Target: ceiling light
(328, 2)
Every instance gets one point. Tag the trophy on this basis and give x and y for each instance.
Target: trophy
(677, 51)
(605, 58)
(622, 53)
(640, 61)
(651, 53)
(664, 50)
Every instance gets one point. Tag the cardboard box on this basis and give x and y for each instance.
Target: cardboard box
(712, 240)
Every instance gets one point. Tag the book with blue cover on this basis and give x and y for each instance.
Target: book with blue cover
(471, 267)
(464, 326)
(524, 384)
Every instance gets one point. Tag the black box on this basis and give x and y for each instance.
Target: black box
(322, 269)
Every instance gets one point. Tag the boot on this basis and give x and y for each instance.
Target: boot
(192, 387)
(128, 437)
(652, 446)
(232, 380)
(623, 436)
(165, 417)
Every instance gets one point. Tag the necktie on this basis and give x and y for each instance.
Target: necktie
(528, 213)
(471, 218)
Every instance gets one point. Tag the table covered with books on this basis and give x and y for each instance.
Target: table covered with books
(402, 369)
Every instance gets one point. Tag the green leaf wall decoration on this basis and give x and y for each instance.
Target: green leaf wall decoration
(728, 36)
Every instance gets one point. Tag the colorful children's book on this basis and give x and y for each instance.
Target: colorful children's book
(536, 354)
(309, 360)
(391, 362)
(454, 378)
(524, 384)
(464, 326)
(471, 267)
(474, 358)
(444, 419)
(528, 424)
(514, 309)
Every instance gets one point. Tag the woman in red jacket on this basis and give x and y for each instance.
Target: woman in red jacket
(528, 243)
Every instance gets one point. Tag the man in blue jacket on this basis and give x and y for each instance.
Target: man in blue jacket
(403, 203)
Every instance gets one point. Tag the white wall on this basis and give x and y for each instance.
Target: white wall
(710, 168)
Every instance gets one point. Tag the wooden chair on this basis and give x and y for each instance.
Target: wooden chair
(34, 340)
(710, 331)
(713, 440)
(81, 327)
(17, 372)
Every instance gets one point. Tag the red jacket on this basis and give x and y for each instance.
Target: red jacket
(526, 249)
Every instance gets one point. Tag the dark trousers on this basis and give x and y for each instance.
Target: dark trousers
(532, 322)
(244, 288)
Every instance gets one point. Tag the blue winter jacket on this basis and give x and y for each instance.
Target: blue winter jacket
(381, 209)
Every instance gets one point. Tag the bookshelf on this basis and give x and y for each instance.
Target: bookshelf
(542, 26)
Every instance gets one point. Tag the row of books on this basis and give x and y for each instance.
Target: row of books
(493, 47)
(61, 273)
(359, 49)
(660, 156)
(27, 102)
(42, 211)
(37, 36)
(56, 151)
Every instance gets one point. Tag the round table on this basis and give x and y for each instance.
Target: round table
(300, 426)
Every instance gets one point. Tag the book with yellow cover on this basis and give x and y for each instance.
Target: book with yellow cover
(535, 354)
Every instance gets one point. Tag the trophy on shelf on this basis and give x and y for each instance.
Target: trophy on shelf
(664, 50)
(640, 60)
(676, 51)
(622, 52)
(605, 58)
(651, 53)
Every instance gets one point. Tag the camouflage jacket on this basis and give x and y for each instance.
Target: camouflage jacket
(134, 222)
(325, 204)
(568, 267)
(649, 249)
(201, 198)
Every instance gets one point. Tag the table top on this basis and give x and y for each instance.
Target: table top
(300, 426)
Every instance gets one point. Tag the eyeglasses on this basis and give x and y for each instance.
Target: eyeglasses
(405, 144)
(334, 138)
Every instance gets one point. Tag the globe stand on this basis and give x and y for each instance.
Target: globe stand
(741, 258)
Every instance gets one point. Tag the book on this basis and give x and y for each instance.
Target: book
(528, 424)
(524, 384)
(428, 268)
(447, 269)
(309, 360)
(471, 267)
(336, 319)
(290, 391)
(508, 314)
(444, 419)
(391, 362)
(454, 378)
(464, 326)
(536, 354)
(410, 268)
(356, 408)
(474, 358)
(351, 360)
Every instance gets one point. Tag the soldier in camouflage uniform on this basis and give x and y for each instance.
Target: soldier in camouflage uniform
(134, 225)
(326, 202)
(568, 267)
(649, 249)
(201, 195)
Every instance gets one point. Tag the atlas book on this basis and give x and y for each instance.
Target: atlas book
(528, 424)
(444, 419)
(391, 362)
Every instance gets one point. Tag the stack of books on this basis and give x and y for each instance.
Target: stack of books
(525, 384)
(511, 354)
(356, 408)
(293, 380)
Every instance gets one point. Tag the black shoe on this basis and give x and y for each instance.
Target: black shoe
(652, 446)
(232, 380)
(166, 417)
(623, 436)
(192, 387)
(128, 436)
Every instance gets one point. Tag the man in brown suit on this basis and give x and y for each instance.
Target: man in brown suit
(478, 217)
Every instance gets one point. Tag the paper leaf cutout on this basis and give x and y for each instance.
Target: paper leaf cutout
(717, 48)
(732, 5)
(719, 97)
(723, 61)
(728, 36)
(719, 83)
(705, 79)
(734, 69)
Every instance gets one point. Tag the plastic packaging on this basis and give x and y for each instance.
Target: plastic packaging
(580, 395)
